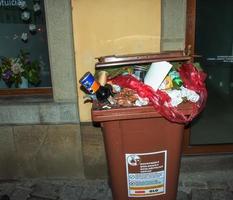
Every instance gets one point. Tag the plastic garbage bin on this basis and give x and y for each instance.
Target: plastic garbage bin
(143, 148)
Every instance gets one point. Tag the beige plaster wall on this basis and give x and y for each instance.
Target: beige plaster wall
(107, 27)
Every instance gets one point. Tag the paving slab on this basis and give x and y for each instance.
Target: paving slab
(21, 193)
(217, 185)
(36, 198)
(182, 196)
(109, 195)
(97, 191)
(230, 184)
(46, 190)
(221, 195)
(195, 184)
(201, 194)
(71, 192)
(7, 188)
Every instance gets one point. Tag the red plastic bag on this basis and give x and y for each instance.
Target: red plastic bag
(192, 79)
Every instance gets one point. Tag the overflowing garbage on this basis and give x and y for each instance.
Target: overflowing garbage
(162, 84)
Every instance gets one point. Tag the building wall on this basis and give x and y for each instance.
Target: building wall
(108, 27)
(33, 151)
(44, 137)
(41, 137)
(172, 38)
(173, 25)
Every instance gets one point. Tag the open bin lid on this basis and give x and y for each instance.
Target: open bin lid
(123, 113)
(118, 60)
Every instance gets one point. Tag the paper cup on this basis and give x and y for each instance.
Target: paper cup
(157, 73)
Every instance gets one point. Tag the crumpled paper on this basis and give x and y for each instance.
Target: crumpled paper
(177, 96)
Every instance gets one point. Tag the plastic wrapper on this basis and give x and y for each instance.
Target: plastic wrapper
(192, 78)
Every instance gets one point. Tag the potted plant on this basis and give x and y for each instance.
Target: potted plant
(17, 71)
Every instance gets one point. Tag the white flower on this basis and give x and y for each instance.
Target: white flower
(16, 66)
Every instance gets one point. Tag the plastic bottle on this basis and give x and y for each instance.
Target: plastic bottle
(176, 80)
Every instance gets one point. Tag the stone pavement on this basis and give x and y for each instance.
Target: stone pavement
(98, 190)
(201, 178)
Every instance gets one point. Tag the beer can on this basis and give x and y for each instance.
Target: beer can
(88, 81)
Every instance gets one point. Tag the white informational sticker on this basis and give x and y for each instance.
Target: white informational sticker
(146, 173)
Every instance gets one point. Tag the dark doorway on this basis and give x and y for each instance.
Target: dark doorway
(211, 23)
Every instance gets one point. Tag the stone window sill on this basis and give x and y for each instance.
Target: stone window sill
(7, 100)
(29, 95)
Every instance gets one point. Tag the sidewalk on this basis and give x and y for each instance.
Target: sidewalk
(201, 178)
(206, 178)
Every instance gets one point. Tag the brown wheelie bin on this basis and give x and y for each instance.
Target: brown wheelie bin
(143, 148)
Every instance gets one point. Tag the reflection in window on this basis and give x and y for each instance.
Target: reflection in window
(24, 59)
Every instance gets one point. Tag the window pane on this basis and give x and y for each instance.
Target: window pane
(23, 44)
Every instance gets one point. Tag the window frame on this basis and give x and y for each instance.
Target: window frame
(26, 92)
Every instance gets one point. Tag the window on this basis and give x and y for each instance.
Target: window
(24, 58)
